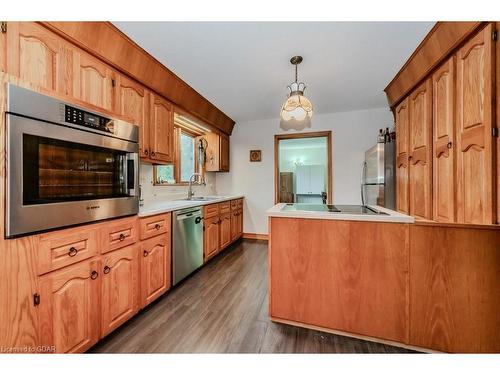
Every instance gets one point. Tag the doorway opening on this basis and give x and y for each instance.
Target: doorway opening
(303, 168)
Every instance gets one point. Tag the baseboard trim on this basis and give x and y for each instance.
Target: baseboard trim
(353, 335)
(256, 236)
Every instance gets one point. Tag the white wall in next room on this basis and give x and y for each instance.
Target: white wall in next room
(352, 134)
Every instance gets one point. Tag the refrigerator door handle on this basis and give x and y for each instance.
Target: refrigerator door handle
(363, 176)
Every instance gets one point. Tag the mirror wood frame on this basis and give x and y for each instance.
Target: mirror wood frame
(279, 137)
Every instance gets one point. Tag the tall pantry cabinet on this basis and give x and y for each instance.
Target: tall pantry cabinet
(445, 139)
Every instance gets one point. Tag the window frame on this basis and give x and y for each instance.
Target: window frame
(177, 158)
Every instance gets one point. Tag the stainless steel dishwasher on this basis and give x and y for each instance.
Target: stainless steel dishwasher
(187, 240)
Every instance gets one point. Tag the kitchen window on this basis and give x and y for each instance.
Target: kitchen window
(184, 164)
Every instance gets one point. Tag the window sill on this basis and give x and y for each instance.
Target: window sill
(176, 184)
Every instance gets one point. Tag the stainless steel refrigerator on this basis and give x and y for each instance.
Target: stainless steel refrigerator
(378, 181)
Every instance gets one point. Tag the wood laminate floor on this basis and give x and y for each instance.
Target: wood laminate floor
(223, 308)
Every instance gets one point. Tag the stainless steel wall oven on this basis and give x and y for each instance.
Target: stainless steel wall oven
(66, 165)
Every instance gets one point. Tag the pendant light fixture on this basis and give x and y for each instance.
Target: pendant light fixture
(297, 110)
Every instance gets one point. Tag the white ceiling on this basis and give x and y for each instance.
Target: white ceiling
(243, 67)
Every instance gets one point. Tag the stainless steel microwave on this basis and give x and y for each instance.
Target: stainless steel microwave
(66, 165)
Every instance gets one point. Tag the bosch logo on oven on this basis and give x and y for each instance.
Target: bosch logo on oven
(93, 207)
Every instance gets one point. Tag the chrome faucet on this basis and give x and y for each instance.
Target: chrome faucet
(190, 190)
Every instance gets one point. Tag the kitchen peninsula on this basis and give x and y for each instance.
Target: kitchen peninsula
(369, 275)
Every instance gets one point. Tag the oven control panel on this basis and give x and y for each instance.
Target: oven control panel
(90, 120)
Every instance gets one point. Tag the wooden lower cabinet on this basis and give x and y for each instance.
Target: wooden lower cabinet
(155, 268)
(211, 237)
(342, 275)
(69, 307)
(454, 288)
(225, 230)
(236, 224)
(120, 287)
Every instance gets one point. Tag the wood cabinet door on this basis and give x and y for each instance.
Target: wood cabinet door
(212, 162)
(474, 130)
(161, 131)
(420, 158)
(225, 230)
(402, 153)
(211, 237)
(443, 106)
(155, 268)
(120, 287)
(39, 57)
(224, 153)
(94, 82)
(235, 226)
(134, 103)
(69, 307)
(240, 223)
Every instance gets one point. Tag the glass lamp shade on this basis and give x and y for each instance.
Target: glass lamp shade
(296, 112)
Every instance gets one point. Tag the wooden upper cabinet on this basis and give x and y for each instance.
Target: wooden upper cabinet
(161, 130)
(420, 158)
(134, 103)
(155, 268)
(120, 287)
(69, 307)
(39, 57)
(217, 152)
(94, 82)
(402, 146)
(443, 94)
(474, 130)
(224, 153)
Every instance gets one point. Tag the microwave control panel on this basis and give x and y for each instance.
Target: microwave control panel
(90, 120)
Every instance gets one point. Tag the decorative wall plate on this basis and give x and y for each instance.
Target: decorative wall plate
(255, 155)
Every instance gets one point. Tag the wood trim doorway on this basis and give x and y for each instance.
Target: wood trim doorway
(328, 135)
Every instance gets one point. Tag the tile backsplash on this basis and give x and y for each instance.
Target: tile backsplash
(151, 192)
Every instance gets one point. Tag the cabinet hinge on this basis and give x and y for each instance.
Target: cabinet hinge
(3, 27)
(494, 35)
(495, 132)
(36, 299)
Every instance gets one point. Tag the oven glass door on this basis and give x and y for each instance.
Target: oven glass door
(62, 171)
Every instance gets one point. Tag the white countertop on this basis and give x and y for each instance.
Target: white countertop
(157, 206)
(391, 217)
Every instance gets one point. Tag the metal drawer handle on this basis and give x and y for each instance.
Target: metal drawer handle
(94, 275)
(122, 237)
(106, 269)
(145, 254)
(157, 226)
(72, 251)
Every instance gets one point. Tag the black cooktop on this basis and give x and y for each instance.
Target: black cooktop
(340, 209)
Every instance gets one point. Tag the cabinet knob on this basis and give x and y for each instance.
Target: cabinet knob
(145, 254)
(449, 145)
(157, 226)
(106, 270)
(94, 275)
(153, 154)
(146, 152)
(122, 237)
(72, 251)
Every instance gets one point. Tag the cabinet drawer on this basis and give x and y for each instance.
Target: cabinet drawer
(118, 234)
(225, 207)
(234, 205)
(154, 225)
(65, 247)
(211, 210)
